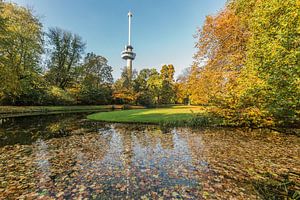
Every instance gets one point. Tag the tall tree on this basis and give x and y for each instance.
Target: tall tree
(182, 87)
(221, 54)
(20, 50)
(141, 87)
(123, 87)
(167, 88)
(167, 73)
(96, 69)
(154, 85)
(140, 83)
(95, 80)
(65, 53)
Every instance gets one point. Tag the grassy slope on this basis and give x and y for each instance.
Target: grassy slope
(155, 116)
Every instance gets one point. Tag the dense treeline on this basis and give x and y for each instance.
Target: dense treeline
(39, 68)
(148, 87)
(247, 64)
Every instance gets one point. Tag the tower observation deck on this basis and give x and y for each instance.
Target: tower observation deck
(128, 53)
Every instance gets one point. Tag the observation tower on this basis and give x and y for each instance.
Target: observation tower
(128, 53)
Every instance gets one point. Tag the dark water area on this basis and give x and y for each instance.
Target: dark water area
(65, 156)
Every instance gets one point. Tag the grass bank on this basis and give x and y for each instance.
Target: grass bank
(7, 111)
(172, 116)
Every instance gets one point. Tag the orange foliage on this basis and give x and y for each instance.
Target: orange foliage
(221, 55)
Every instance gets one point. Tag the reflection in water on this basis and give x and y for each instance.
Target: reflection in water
(114, 155)
(26, 130)
(68, 157)
(43, 165)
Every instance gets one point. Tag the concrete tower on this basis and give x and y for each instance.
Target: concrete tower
(128, 54)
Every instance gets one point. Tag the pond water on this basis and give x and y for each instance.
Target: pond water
(66, 156)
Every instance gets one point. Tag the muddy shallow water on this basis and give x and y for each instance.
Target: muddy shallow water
(68, 157)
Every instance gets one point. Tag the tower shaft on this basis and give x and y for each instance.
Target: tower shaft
(129, 68)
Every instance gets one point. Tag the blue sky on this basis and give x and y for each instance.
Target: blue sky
(162, 30)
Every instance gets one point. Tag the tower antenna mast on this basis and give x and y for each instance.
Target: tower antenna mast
(129, 28)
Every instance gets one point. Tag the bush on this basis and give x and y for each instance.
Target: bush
(197, 121)
(145, 99)
(58, 96)
(95, 96)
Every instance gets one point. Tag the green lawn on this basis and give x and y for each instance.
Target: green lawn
(155, 116)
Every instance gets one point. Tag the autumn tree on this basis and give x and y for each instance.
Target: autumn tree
(123, 87)
(20, 49)
(2, 46)
(221, 53)
(65, 52)
(246, 65)
(182, 88)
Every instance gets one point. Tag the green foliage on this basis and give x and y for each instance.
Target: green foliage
(145, 96)
(274, 52)
(58, 96)
(154, 84)
(95, 80)
(98, 96)
(196, 121)
(140, 83)
(167, 88)
(167, 93)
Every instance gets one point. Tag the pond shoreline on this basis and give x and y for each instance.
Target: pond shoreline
(194, 117)
(283, 131)
(19, 111)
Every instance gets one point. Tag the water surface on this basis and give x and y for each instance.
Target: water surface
(68, 157)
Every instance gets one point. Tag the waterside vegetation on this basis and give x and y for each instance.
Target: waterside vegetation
(9, 111)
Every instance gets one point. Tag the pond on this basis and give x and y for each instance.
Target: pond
(65, 156)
